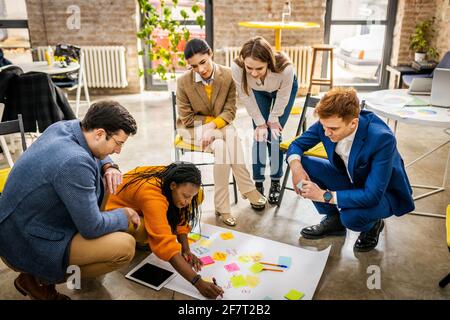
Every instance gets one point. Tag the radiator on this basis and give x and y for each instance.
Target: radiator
(105, 66)
(301, 57)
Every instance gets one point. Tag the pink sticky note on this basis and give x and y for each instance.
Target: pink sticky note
(206, 260)
(232, 267)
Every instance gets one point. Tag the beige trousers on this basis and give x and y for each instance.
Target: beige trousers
(102, 255)
(228, 155)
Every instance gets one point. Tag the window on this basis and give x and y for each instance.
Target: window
(152, 82)
(361, 33)
(14, 35)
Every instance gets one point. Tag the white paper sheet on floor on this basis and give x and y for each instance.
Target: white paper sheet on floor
(303, 275)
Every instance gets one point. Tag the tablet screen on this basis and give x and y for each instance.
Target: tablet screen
(151, 274)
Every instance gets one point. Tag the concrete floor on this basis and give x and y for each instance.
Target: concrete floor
(412, 253)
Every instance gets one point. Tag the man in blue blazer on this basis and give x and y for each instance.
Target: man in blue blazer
(49, 209)
(362, 182)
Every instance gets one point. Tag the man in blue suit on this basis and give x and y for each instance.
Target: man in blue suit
(50, 215)
(362, 182)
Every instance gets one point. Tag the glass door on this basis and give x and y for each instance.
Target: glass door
(361, 33)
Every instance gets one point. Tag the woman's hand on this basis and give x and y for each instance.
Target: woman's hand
(261, 133)
(208, 289)
(275, 129)
(192, 259)
(133, 217)
(205, 134)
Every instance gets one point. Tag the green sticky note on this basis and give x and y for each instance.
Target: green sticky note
(256, 267)
(238, 281)
(244, 258)
(194, 236)
(294, 295)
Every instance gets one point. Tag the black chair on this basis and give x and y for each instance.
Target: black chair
(181, 147)
(317, 151)
(10, 127)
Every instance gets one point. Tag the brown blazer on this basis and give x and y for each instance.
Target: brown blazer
(193, 104)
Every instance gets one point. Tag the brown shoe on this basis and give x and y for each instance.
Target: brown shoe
(28, 285)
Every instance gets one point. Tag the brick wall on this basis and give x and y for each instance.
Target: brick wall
(411, 12)
(103, 22)
(227, 14)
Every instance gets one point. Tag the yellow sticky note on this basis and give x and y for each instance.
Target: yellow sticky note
(294, 295)
(205, 243)
(219, 256)
(257, 256)
(244, 258)
(238, 281)
(194, 236)
(257, 267)
(252, 281)
(226, 236)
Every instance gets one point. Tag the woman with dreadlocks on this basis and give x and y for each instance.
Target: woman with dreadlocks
(167, 199)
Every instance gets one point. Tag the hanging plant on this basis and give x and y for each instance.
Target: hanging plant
(160, 23)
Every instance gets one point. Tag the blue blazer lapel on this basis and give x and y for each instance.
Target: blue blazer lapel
(358, 143)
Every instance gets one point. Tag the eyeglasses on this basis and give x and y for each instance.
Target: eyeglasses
(118, 143)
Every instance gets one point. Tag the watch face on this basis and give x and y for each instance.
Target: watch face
(327, 196)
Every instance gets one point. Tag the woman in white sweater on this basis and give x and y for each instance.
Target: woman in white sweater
(267, 85)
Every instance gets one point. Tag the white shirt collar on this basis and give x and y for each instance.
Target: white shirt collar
(198, 78)
(351, 137)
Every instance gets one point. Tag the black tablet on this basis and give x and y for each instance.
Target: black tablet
(150, 275)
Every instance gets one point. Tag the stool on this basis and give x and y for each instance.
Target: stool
(321, 81)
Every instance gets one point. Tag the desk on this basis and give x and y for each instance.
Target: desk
(278, 26)
(388, 103)
(42, 66)
(399, 71)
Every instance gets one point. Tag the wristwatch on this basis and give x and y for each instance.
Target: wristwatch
(327, 196)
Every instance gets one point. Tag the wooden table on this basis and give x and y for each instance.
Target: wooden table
(278, 26)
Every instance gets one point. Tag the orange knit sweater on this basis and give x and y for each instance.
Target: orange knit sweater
(149, 202)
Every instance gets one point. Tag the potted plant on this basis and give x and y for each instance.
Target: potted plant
(420, 41)
(166, 36)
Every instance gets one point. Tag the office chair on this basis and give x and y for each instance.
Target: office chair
(181, 147)
(10, 127)
(316, 151)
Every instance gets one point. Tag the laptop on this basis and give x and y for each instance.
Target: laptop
(421, 86)
(440, 92)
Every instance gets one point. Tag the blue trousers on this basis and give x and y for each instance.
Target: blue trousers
(326, 176)
(265, 101)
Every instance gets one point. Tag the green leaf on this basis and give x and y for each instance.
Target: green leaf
(184, 14)
(195, 8)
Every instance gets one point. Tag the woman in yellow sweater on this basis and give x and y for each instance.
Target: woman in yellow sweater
(167, 198)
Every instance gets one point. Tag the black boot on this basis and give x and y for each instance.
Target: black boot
(369, 240)
(260, 187)
(329, 226)
(274, 192)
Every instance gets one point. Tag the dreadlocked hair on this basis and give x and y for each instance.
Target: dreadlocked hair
(162, 177)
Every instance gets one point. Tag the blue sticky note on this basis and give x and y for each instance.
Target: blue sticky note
(287, 261)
